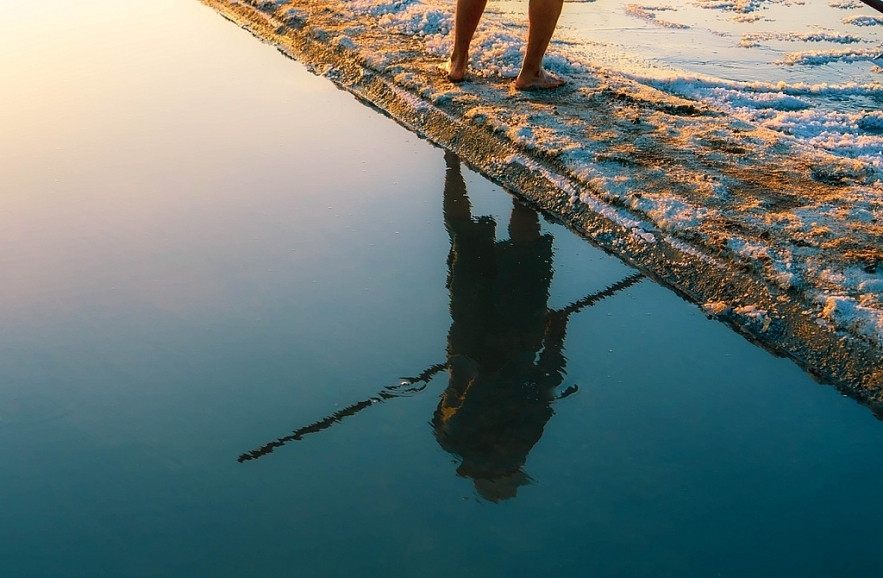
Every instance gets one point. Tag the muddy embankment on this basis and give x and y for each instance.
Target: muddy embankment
(757, 229)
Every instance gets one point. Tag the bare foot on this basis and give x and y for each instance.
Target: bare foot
(455, 73)
(540, 81)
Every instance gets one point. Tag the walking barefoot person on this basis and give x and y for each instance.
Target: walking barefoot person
(542, 19)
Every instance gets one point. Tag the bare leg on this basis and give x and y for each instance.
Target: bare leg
(466, 18)
(542, 19)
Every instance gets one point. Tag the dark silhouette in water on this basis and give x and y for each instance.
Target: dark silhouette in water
(505, 357)
(505, 347)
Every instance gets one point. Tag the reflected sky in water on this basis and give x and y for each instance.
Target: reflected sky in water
(206, 250)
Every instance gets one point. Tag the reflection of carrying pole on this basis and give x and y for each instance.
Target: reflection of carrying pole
(590, 300)
(410, 385)
(407, 386)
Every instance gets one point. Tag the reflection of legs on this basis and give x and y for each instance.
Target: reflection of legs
(456, 202)
(466, 18)
(543, 17)
(471, 274)
(524, 223)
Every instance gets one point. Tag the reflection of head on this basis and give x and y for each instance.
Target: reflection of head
(502, 362)
(500, 488)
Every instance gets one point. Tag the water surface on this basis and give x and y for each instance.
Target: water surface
(206, 248)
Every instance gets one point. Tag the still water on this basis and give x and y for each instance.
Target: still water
(217, 271)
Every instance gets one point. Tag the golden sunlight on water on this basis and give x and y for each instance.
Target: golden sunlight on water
(108, 111)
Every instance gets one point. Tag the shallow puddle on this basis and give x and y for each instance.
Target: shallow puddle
(218, 269)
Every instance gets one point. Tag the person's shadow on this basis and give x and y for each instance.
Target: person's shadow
(505, 357)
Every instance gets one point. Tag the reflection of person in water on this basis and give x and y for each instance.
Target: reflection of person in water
(504, 358)
(504, 346)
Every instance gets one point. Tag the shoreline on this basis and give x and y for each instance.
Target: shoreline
(663, 204)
